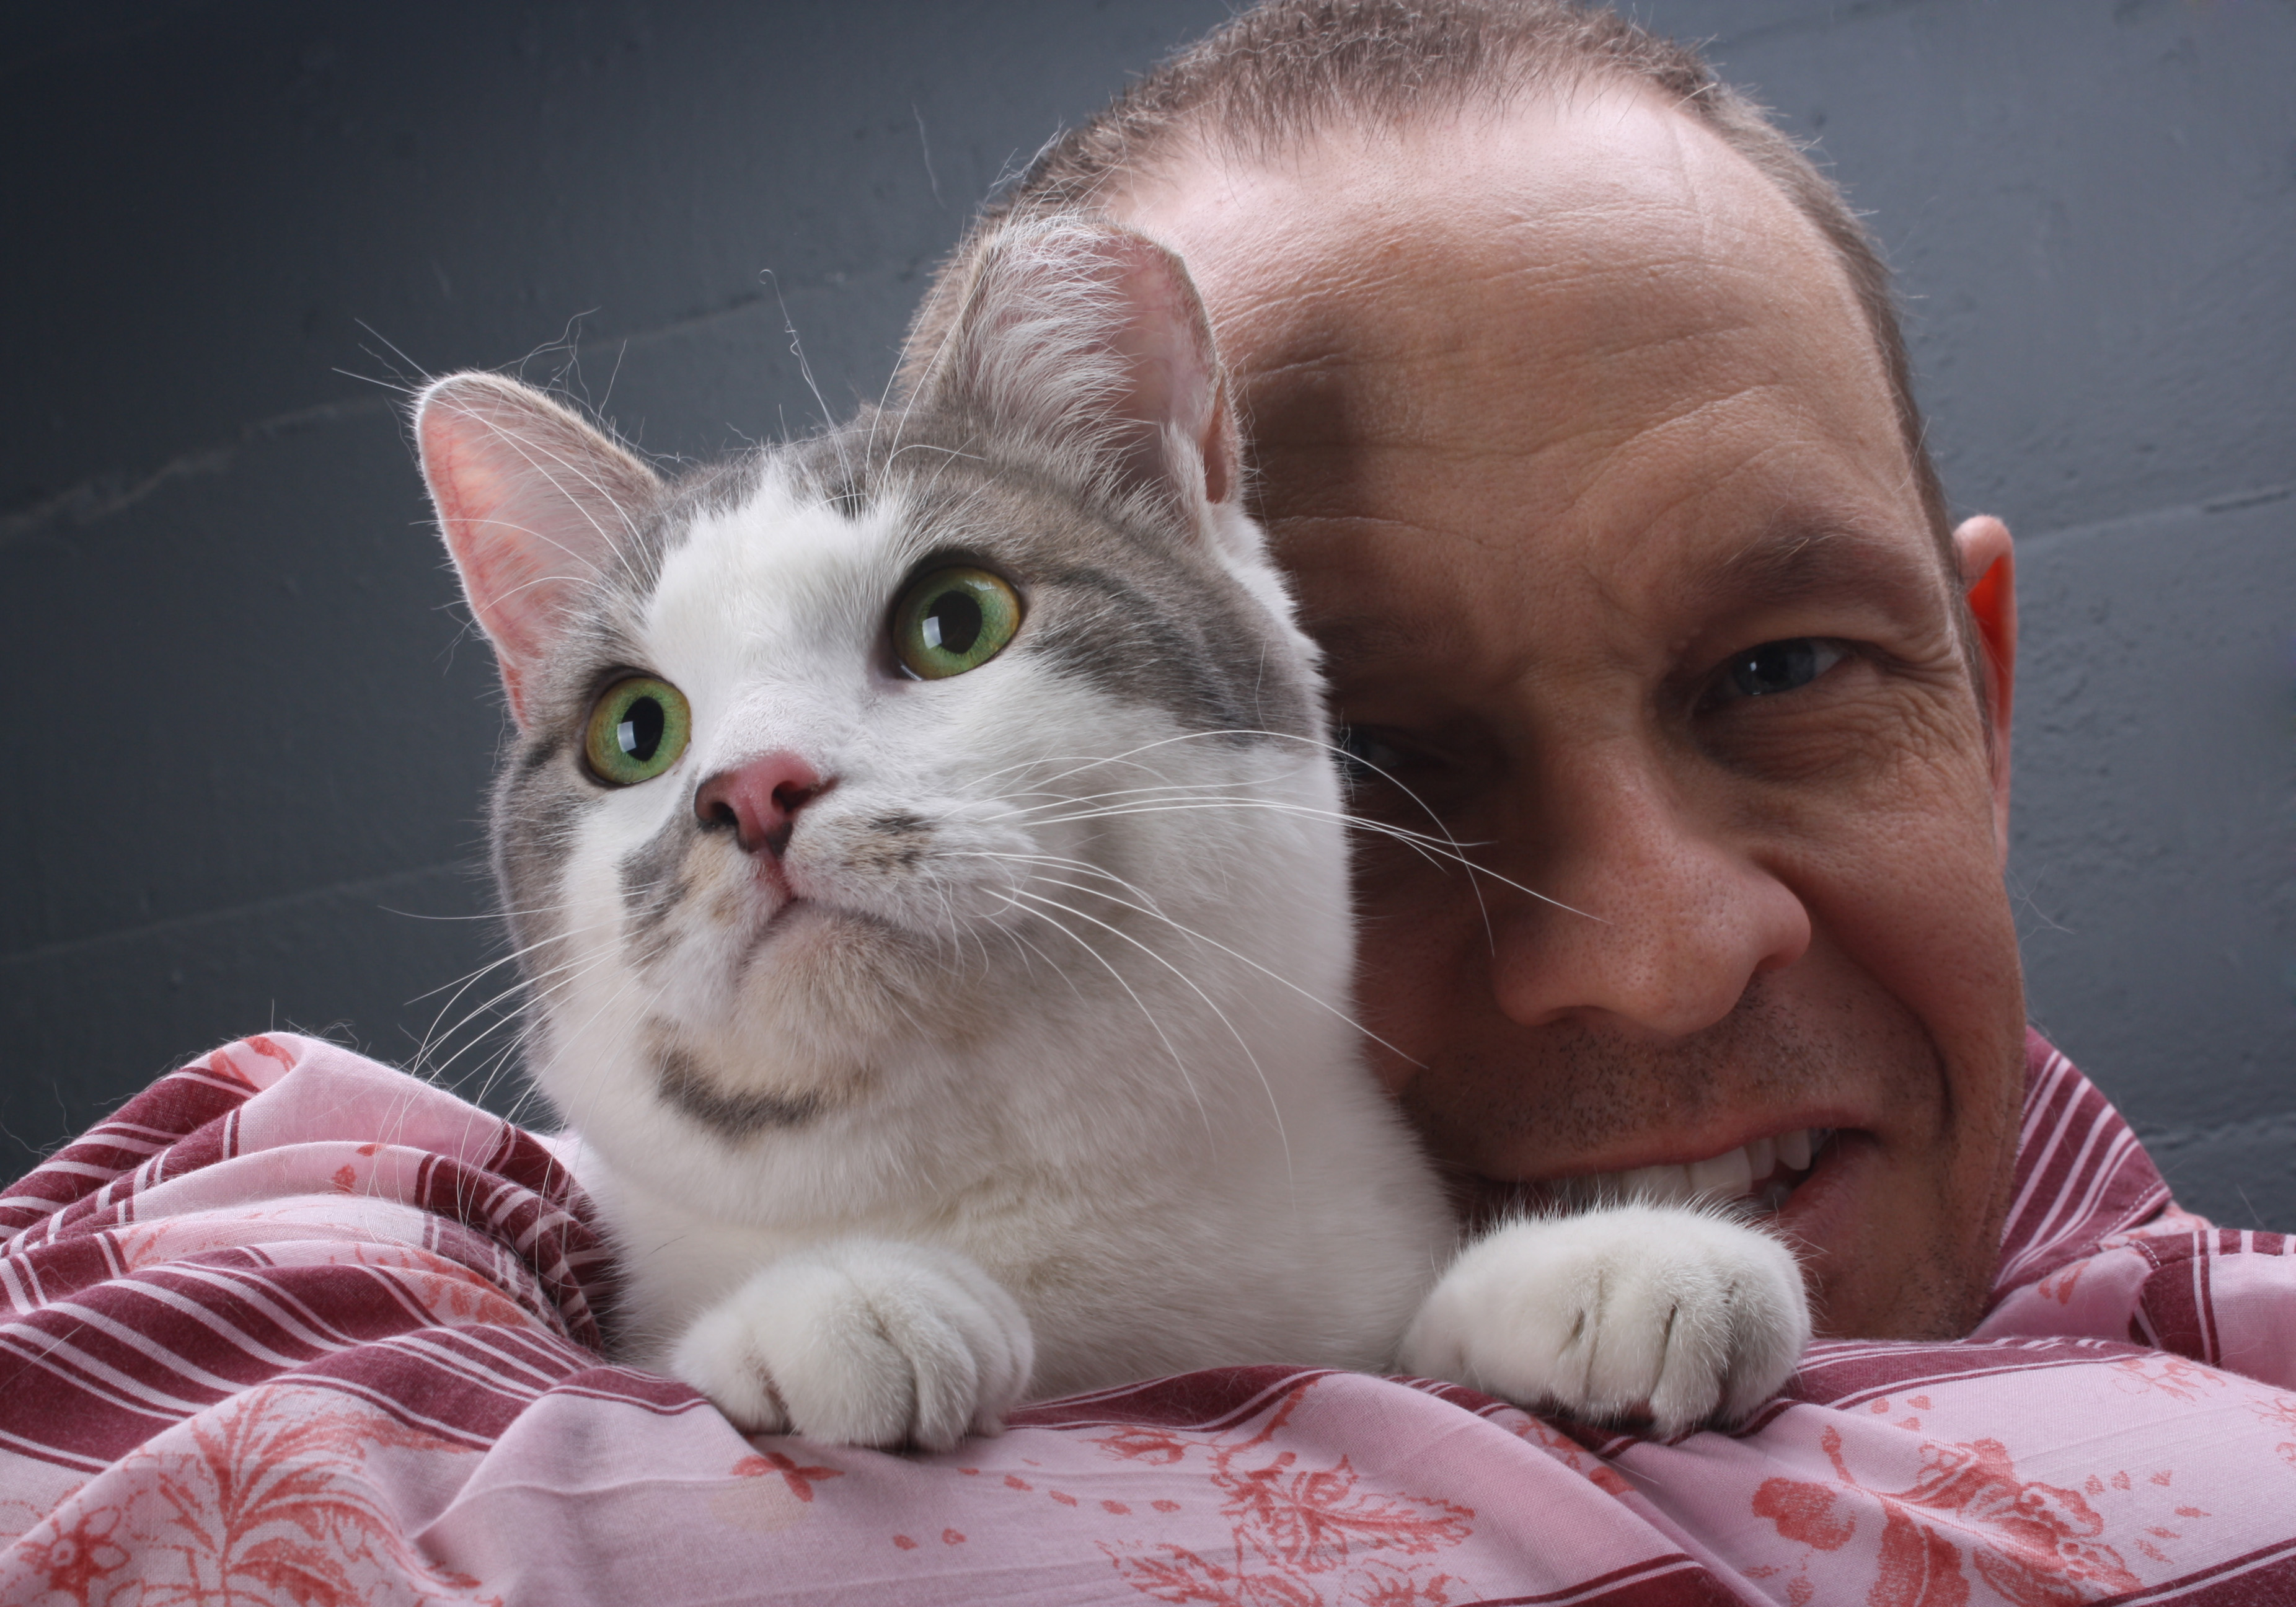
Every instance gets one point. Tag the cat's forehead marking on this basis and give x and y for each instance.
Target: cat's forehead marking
(765, 609)
(774, 574)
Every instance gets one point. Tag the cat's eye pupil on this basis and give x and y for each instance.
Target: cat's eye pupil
(637, 729)
(952, 622)
(1776, 667)
(639, 733)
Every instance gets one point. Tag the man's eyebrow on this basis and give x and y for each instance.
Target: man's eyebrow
(1360, 638)
(1800, 560)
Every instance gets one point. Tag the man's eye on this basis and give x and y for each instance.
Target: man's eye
(1779, 666)
(1366, 755)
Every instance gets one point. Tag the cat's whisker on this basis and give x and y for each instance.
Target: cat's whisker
(1084, 762)
(514, 954)
(965, 929)
(1158, 1027)
(630, 982)
(1274, 1105)
(1079, 763)
(464, 984)
(1330, 748)
(529, 980)
(576, 1115)
(1248, 787)
(529, 1025)
(1160, 785)
(1059, 970)
(1455, 848)
(1434, 849)
(426, 1061)
(416, 915)
(565, 975)
(1148, 909)
(1411, 838)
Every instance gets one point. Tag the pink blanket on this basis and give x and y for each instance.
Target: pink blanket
(294, 1327)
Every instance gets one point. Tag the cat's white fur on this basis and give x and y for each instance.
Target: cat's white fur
(1089, 1105)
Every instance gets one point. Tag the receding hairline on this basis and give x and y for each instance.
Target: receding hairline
(1240, 133)
(1189, 153)
(1282, 72)
(1531, 181)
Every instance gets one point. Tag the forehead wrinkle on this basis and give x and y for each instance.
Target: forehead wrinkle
(1347, 398)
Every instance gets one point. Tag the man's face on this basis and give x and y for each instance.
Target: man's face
(1587, 472)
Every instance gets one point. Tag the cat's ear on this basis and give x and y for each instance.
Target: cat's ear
(532, 500)
(1088, 336)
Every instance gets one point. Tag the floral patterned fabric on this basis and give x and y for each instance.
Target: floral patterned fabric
(294, 1327)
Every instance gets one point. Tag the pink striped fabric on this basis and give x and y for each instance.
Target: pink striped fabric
(294, 1327)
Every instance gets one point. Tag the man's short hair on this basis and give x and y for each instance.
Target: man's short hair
(1285, 71)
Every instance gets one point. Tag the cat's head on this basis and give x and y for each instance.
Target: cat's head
(848, 771)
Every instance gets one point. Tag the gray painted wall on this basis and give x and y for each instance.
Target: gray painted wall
(251, 737)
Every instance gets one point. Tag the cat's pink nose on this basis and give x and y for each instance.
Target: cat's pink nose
(759, 799)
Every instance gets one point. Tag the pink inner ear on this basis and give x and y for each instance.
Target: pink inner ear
(531, 500)
(1165, 342)
(499, 576)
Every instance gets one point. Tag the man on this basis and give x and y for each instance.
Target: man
(1580, 417)
(1589, 443)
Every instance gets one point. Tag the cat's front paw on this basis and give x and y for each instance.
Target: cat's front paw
(1663, 1312)
(863, 1342)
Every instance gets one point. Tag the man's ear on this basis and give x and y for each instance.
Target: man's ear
(1989, 577)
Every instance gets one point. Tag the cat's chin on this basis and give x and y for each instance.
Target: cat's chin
(824, 994)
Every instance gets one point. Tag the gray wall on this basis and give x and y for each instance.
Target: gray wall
(250, 738)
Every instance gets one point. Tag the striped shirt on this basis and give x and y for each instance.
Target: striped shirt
(293, 1327)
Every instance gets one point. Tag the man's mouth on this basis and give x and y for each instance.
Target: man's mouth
(1758, 1175)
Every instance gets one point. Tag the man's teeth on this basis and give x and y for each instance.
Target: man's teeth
(1764, 1170)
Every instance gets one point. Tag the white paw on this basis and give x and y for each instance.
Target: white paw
(863, 1342)
(1663, 1312)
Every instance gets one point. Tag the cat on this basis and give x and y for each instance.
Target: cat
(925, 850)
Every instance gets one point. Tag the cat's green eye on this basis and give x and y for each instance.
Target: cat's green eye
(952, 620)
(636, 731)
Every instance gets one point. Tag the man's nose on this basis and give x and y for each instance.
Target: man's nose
(759, 799)
(1668, 919)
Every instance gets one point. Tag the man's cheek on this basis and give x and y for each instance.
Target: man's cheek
(1916, 899)
(1891, 849)
(1420, 970)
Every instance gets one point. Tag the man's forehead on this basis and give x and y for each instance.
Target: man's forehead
(1547, 269)
(1561, 193)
